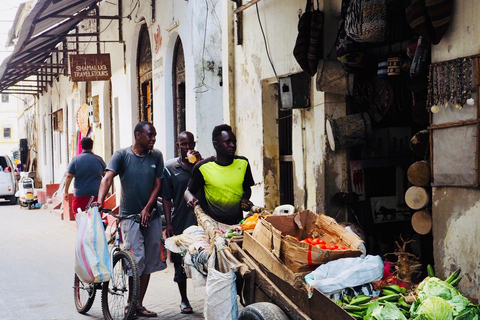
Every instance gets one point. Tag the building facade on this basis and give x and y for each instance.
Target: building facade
(191, 65)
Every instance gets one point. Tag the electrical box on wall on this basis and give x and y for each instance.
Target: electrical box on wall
(295, 91)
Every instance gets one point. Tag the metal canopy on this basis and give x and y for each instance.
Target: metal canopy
(45, 27)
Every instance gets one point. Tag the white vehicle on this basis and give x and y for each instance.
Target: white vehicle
(8, 183)
(26, 194)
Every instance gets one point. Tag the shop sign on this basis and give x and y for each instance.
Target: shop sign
(90, 67)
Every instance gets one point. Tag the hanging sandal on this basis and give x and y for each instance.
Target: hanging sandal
(186, 308)
(143, 312)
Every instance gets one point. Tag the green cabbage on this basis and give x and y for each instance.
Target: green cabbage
(388, 311)
(470, 313)
(434, 308)
(434, 287)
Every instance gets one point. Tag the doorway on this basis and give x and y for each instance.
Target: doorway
(144, 71)
(178, 77)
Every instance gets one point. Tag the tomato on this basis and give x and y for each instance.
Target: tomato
(321, 241)
(308, 240)
(297, 238)
(316, 241)
(322, 246)
(343, 248)
(334, 247)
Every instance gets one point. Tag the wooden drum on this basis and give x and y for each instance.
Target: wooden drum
(422, 222)
(419, 173)
(417, 198)
(348, 131)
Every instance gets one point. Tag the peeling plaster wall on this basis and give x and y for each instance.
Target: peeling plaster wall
(270, 150)
(202, 73)
(202, 51)
(255, 103)
(456, 234)
(456, 211)
(55, 98)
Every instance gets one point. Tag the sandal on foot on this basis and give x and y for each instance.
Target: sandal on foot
(185, 308)
(133, 315)
(143, 312)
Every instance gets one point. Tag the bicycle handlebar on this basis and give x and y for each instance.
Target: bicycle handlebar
(135, 217)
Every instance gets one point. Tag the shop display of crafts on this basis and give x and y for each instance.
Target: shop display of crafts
(451, 84)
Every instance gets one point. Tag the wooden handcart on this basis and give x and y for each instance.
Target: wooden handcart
(257, 284)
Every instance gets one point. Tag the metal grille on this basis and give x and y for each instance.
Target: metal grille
(285, 150)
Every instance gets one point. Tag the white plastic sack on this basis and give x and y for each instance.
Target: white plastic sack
(192, 238)
(180, 243)
(199, 280)
(92, 260)
(221, 293)
(337, 275)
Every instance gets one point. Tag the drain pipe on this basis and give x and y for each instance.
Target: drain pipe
(228, 64)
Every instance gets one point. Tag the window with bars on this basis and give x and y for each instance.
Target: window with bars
(285, 152)
(7, 133)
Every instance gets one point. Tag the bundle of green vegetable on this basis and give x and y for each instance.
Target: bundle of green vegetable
(440, 300)
(436, 300)
(391, 305)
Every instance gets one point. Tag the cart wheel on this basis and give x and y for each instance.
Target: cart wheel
(262, 311)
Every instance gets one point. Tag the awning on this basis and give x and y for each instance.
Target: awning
(47, 25)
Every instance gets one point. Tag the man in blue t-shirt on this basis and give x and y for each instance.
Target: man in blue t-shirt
(88, 170)
(140, 168)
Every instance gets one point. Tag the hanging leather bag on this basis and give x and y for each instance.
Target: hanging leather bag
(308, 48)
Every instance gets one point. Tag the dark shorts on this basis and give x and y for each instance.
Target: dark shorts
(177, 260)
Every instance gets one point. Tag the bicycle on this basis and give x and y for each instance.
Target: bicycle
(123, 286)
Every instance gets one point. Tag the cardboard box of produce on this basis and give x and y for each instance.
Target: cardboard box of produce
(279, 233)
(270, 262)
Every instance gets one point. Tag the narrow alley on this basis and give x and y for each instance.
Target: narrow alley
(36, 272)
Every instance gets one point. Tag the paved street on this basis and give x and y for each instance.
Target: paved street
(37, 269)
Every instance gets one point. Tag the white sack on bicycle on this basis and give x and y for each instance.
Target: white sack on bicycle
(92, 260)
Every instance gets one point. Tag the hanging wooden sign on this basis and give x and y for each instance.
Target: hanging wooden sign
(90, 67)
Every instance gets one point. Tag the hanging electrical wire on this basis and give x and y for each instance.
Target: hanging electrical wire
(196, 89)
(214, 13)
(202, 81)
(266, 45)
(129, 16)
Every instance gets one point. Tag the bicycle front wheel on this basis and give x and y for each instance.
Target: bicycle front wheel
(120, 294)
(84, 294)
